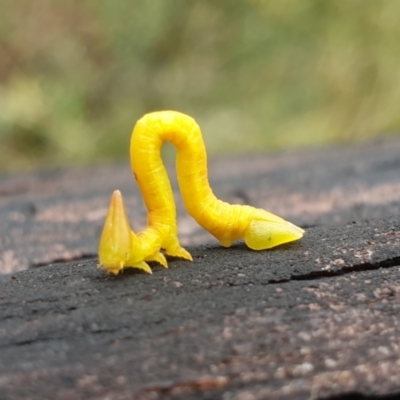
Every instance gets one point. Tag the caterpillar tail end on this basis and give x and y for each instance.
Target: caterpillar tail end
(116, 242)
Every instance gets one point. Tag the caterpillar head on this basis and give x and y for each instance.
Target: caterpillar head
(266, 230)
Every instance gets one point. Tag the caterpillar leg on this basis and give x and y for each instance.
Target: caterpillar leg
(160, 258)
(181, 253)
(174, 249)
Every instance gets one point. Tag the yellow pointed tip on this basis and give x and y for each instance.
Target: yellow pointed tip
(300, 231)
(115, 241)
(290, 233)
(295, 230)
(181, 253)
(160, 258)
(143, 266)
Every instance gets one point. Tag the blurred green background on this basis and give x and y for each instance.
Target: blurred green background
(256, 75)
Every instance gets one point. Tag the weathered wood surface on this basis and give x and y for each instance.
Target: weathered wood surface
(314, 319)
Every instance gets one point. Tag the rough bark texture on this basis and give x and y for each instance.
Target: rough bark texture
(316, 319)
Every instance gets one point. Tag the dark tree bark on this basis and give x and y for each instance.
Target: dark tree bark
(318, 318)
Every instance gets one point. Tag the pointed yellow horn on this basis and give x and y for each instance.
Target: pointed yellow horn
(115, 241)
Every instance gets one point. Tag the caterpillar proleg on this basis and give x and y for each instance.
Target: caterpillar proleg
(120, 247)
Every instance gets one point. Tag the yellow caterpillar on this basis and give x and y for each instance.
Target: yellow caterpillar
(120, 247)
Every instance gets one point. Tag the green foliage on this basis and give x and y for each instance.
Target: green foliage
(256, 74)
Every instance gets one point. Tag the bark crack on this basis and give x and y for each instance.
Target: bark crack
(313, 275)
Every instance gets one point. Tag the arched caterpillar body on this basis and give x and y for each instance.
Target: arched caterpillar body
(120, 247)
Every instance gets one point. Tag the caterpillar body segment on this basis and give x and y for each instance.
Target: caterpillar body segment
(120, 247)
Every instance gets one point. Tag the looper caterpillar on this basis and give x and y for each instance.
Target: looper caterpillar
(120, 247)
